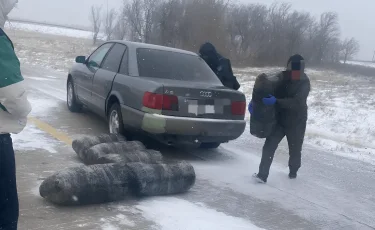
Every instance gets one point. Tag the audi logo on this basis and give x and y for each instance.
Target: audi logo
(205, 94)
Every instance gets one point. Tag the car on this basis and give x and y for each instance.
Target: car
(167, 93)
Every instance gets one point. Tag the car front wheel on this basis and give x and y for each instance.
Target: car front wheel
(115, 122)
(72, 103)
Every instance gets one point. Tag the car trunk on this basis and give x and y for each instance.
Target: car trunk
(200, 100)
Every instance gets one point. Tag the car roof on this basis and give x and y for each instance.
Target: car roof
(135, 45)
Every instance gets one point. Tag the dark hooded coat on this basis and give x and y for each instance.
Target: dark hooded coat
(220, 65)
(292, 94)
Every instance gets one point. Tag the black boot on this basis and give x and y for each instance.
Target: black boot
(292, 175)
(259, 179)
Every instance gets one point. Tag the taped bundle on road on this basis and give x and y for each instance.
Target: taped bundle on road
(161, 179)
(85, 142)
(116, 152)
(87, 185)
(263, 118)
(146, 156)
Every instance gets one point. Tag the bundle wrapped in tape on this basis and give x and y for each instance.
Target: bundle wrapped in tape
(116, 152)
(263, 118)
(87, 185)
(85, 142)
(161, 179)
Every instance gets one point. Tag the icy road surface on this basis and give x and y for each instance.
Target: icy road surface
(332, 191)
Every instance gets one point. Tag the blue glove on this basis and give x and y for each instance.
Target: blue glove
(270, 100)
(250, 108)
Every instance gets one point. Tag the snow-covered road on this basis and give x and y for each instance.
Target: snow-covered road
(332, 192)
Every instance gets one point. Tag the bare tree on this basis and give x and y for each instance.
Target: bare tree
(249, 33)
(110, 23)
(298, 25)
(167, 23)
(133, 11)
(246, 25)
(121, 28)
(327, 32)
(350, 47)
(95, 21)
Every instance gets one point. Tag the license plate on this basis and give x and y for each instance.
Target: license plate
(195, 108)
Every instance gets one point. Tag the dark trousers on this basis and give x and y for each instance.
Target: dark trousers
(295, 136)
(9, 209)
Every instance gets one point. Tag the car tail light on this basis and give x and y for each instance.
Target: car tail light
(153, 101)
(238, 107)
(170, 102)
(160, 101)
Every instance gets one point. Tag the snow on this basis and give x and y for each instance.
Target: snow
(31, 138)
(367, 64)
(119, 219)
(49, 30)
(108, 226)
(174, 213)
(41, 106)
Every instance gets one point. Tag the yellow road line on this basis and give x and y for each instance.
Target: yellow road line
(51, 130)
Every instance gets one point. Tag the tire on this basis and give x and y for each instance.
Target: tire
(115, 122)
(210, 145)
(71, 98)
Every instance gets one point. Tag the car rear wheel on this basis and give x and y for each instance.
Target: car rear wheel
(210, 145)
(72, 103)
(115, 122)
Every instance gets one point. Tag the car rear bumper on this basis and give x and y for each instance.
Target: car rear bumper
(201, 129)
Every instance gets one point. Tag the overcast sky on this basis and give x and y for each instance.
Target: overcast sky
(357, 17)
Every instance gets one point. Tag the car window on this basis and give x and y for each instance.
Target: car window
(124, 69)
(113, 59)
(173, 65)
(97, 57)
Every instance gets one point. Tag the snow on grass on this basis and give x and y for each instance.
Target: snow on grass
(173, 213)
(367, 64)
(55, 30)
(49, 51)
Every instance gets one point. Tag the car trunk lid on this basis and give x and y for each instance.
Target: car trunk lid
(199, 100)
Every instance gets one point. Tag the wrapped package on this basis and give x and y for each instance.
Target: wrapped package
(161, 179)
(85, 185)
(116, 152)
(263, 118)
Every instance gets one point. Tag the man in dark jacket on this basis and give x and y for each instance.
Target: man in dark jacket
(290, 101)
(220, 65)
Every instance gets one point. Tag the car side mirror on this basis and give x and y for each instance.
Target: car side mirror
(81, 59)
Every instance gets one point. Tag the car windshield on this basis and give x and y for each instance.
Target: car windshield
(173, 65)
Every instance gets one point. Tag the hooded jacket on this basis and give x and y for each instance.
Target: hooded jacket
(220, 65)
(14, 106)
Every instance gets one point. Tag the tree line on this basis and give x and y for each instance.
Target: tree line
(254, 34)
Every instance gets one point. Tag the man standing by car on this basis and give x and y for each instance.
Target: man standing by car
(291, 106)
(14, 108)
(220, 65)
